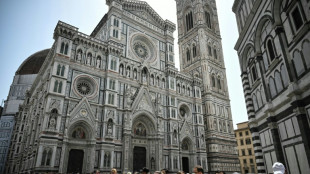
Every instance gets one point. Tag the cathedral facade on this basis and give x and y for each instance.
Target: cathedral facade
(115, 99)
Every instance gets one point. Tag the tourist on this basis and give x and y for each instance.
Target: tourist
(113, 171)
(180, 172)
(278, 168)
(157, 172)
(198, 170)
(144, 170)
(164, 171)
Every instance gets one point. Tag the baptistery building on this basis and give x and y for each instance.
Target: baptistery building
(115, 99)
(274, 55)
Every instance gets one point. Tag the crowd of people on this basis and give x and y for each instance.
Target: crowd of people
(278, 168)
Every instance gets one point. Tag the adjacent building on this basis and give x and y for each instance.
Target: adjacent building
(115, 99)
(274, 55)
(245, 148)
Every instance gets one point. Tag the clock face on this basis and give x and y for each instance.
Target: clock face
(143, 48)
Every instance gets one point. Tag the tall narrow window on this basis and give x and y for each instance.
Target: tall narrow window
(298, 63)
(60, 87)
(219, 84)
(55, 86)
(62, 70)
(297, 19)
(209, 50)
(208, 19)
(270, 49)
(213, 81)
(189, 21)
(215, 53)
(62, 47)
(188, 55)
(254, 74)
(194, 51)
(58, 70)
(66, 49)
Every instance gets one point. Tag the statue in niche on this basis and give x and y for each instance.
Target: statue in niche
(110, 128)
(88, 60)
(140, 130)
(98, 62)
(144, 77)
(128, 72)
(52, 123)
(78, 133)
(79, 56)
(135, 74)
(121, 70)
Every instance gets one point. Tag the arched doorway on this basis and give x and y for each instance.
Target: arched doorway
(75, 162)
(139, 158)
(186, 151)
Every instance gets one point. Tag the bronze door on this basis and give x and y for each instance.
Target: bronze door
(185, 164)
(139, 158)
(75, 162)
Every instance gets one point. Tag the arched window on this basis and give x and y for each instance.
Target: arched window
(284, 76)
(306, 52)
(219, 84)
(188, 55)
(213, 81)
(60, 87)
(215, 53)
(58, 70)
(270, 49)
(259, 99)
(62, 48)
(189, 21)
(157, 81)
(62, 70)
(178, 88)
(55, 86)
(208, 19)
(66, 49)
(46, 157)
(278, 81)
(107, 159)
(298, 63)
(194, 51)
(272, 87)
(255, 102)
(152, 80)
(188, 91)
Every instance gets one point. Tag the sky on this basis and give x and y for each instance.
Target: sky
(27, 27)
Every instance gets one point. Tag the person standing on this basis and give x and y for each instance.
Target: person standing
(278, 168)
(198, 170)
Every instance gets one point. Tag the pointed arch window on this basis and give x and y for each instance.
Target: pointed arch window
(298, 63)
(270, 49)
(194, 51)
(219, 83)
(189, 21)
(213, 81)
(188, 55)
(55, 86)
(46, 157)
(272, 87)
(62, 70)
(208, 19)
(215, 53)
(64, 48)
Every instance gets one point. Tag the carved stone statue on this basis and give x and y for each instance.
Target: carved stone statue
(88, 60)
(98, 63)
(79, 57)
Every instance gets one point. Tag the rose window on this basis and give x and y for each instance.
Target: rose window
(141, 50)
(83, 88)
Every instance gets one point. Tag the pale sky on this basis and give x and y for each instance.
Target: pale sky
(28, 26)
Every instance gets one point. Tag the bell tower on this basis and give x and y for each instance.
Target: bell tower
(201, 55)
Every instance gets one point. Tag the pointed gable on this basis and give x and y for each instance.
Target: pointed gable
(145, 11)
(143, 101)
(82, 111)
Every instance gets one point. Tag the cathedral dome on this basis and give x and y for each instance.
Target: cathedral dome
(33, 63)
